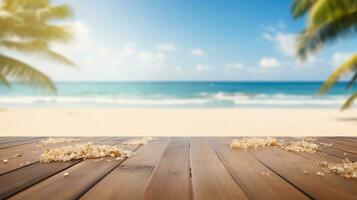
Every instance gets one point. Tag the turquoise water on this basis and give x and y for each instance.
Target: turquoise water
(176, 95)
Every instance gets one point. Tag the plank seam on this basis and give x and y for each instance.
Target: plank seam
(51, 175)
(229, 171)
(292, 184)
(101, 178)
(190, 168)
(33, 163)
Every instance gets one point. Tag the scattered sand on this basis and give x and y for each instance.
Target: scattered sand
(300, 146)
(56, 140)
(253, 143)
(325, 144)
(141, 141)
(346, 168)
(81, 151)
(320, 173)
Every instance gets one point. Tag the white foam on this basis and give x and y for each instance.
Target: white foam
(206, 99)
(98, 100)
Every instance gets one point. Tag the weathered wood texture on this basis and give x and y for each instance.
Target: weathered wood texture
(177, 168)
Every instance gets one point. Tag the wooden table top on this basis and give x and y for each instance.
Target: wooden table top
(177, 168)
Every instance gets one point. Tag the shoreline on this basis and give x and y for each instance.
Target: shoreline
(95, 121)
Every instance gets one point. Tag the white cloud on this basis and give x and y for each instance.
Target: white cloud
(167, 47)
(267, 63)
(285, 42)
(147, 56)
(129, 48)
(128, 55)
(202, 68)
(178, 70)
(340, 57)
(232, 67)
(198, 52)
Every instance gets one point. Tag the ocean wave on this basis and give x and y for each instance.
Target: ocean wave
(279, 99)
(99, 100)
(219, 99)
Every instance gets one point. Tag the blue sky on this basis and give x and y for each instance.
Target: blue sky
(118, 40)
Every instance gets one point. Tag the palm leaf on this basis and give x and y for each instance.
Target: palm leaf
(42, 15)
(325, 11)
(54, 12)
(7, 21)
(45, 32)
(4, 81)
(347, 67)
(36, 46)
(310, 41)
(352, 81)
(22, 72)
(301, 7)
(348, 103)
(25, 4)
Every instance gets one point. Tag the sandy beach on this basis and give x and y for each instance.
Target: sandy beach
(176, 122)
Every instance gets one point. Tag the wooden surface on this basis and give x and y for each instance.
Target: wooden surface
(176, 168)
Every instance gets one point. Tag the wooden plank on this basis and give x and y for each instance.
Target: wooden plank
(339, 153)
(290, 166)
(171, 179)
(210, 178)
(346, 139)
(19, 141)
(4, 140)
(81, 177)
(247, 172)
(339, 141)
(328, 150)
(30, 154)
(22, 178)
(340, 145)
(130, 179)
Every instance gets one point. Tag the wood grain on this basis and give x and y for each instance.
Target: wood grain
(22, 178)
(81, 177)
(130, 179)
(210, 178)
(255, 179)
(180, 168)
(171, 179)
(291, 166)
(29, 154)
(340, 145)
(12, 142)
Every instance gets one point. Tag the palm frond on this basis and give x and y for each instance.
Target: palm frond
(22, 72)
(25, 4)
(301, 7)
(7, 21)
(347, 67)
(310, 41)
(325, 11)
(352, 81)
(348, 103)
(36, 47)
(4, 81)
(45, 32)
(54, 12)
(42, 15)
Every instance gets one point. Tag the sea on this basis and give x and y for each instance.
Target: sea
(206, 94)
